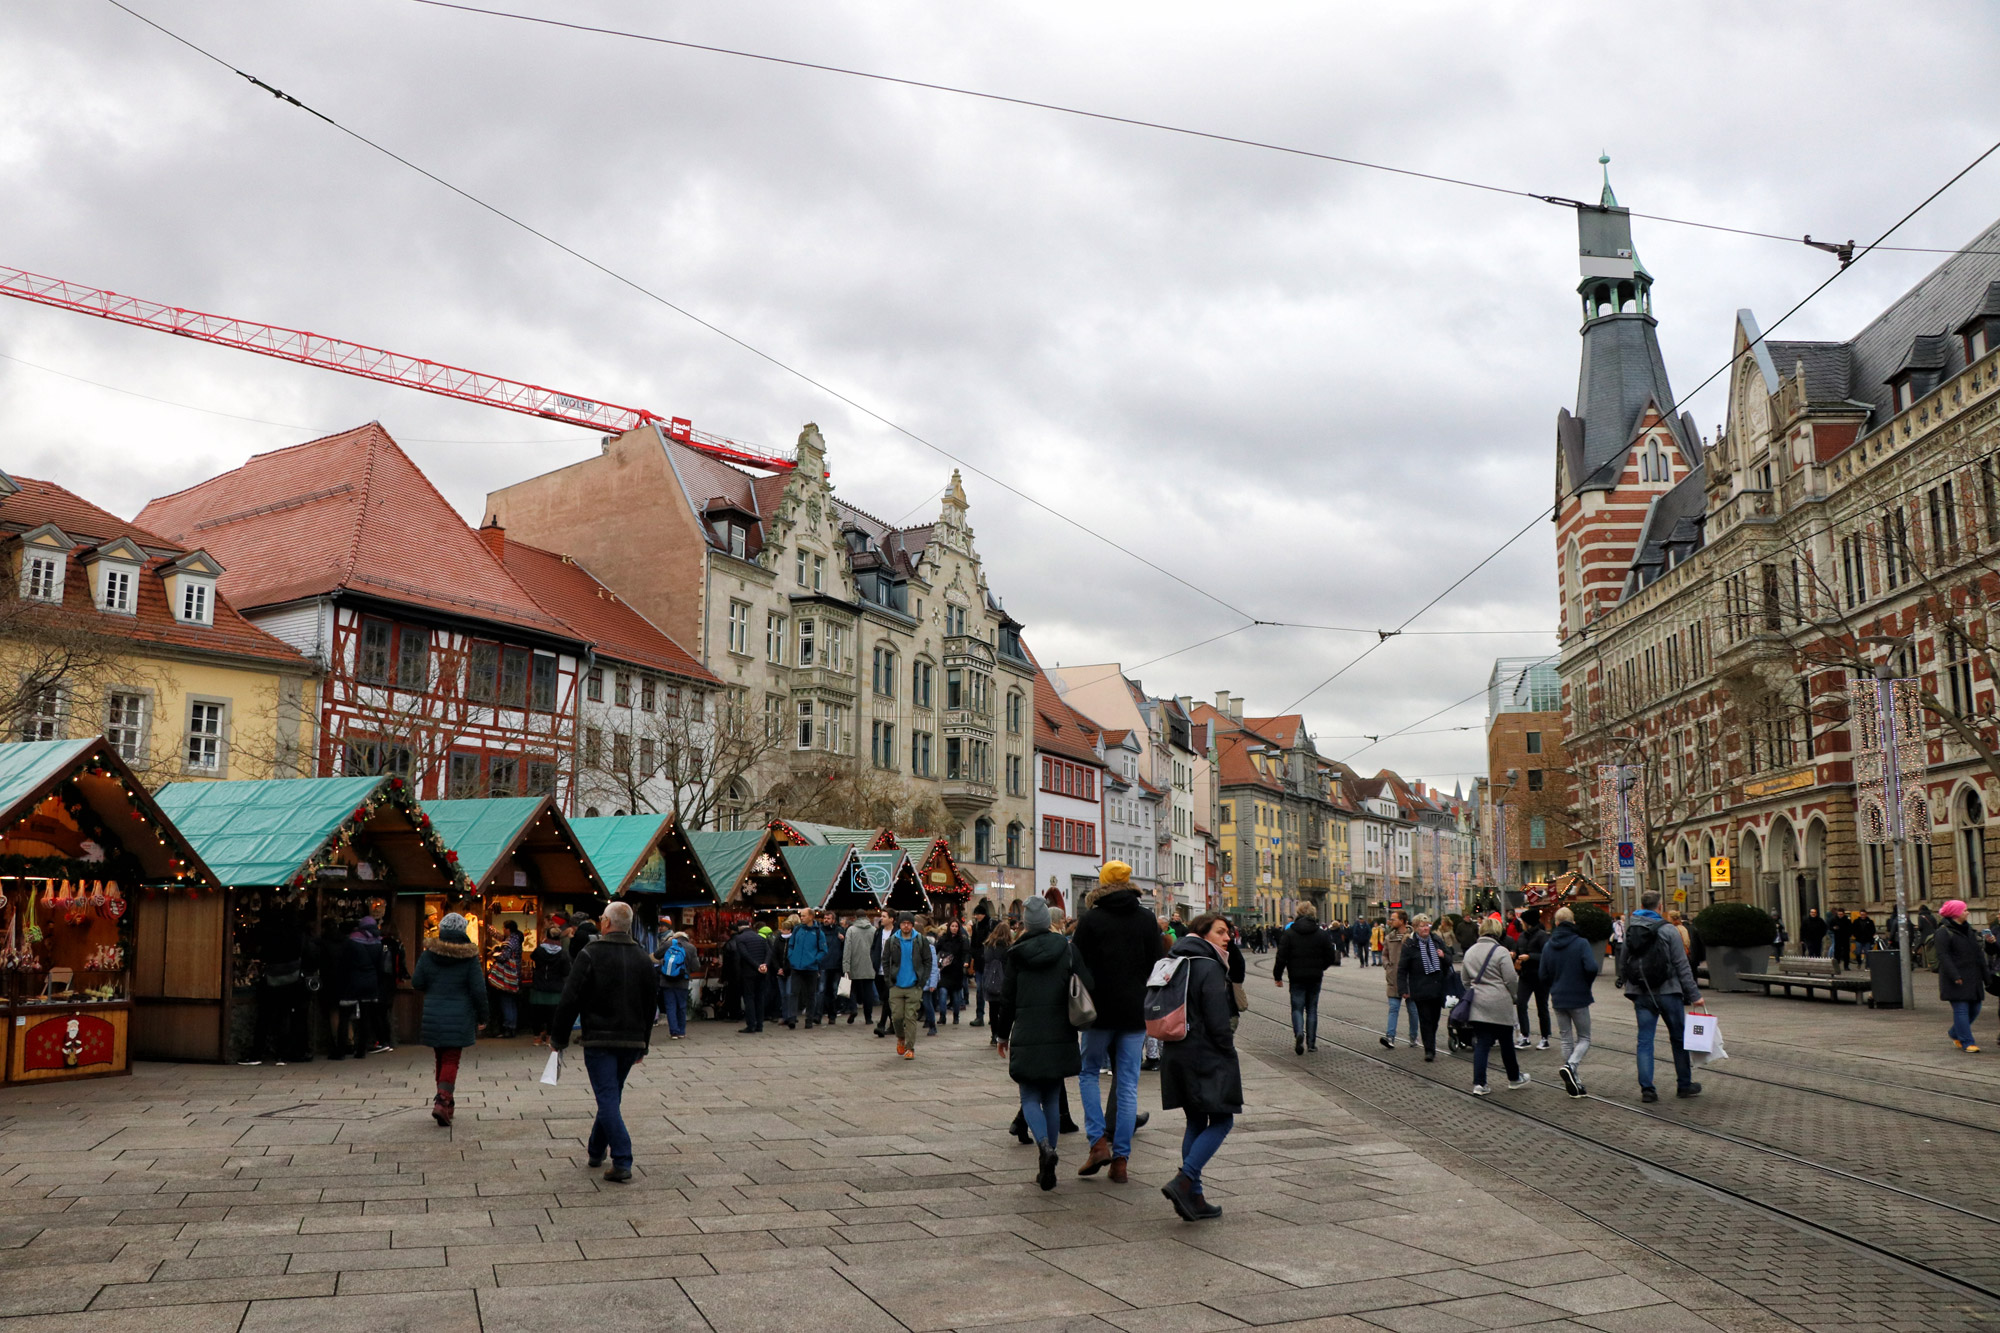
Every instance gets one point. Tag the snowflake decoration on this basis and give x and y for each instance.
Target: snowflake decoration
(764, 865)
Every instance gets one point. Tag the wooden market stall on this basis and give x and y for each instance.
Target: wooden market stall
(1568, 889)
(749, 876)
(892, 878)
(523, 862)
(306, 853)
(648, 861)
(946, 887)
(830, 878)
(95, 884)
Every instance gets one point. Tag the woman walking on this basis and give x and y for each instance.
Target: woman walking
(550, 962)
(448, 975)
(1040, 1043)
(1961, 973)
(503, 973)
(1421, 972)
(1199, 1073)
(953, 950)
(1488, 972)
(993, 971)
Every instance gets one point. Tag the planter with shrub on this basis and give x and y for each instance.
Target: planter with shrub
(1739, 939)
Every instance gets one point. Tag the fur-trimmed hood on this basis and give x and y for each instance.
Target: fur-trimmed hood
(1107, 895)
(449, 948)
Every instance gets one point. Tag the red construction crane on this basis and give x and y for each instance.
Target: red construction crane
(312, 349)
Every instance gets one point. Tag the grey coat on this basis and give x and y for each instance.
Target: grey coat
(1493, 998)
(1680, 976)
(856, 953)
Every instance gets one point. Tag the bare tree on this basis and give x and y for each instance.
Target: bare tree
(693, 756)
(837, 792)
(59, 670)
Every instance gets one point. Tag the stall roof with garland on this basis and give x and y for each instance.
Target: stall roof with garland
(272, 832)
(731, 860)
(486, 834)
(619, 845)
(32, 771)
(821, 872)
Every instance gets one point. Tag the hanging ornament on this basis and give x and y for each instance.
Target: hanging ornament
(98, 899)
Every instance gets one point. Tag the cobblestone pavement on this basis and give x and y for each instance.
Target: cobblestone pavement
(1921, 1129)
(796, 1181)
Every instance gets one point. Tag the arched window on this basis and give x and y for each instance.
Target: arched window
(590, 812)
(1971, 846)
(1014, 843)
(982, 841)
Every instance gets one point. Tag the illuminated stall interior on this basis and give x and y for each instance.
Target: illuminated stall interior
(750, 877)
(522, 862)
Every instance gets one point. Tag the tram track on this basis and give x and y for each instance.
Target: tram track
(1930, 1268)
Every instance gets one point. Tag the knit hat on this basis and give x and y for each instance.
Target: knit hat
(1954, 909)
(453, 924)
(1035, 914)
(1114, 872)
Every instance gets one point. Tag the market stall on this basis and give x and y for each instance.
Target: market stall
(646, 860)
(523, 864)
(295, 856)
(892, 879)
(830, 878)
(749, 876)
(944, 885)
(89, 866)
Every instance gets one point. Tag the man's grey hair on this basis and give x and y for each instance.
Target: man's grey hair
(1649, 900)
(618, 916)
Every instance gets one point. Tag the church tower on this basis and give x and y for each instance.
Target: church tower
(1625, 447)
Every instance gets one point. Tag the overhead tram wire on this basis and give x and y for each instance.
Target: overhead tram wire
(1136, 122)
(632, 283)
(1679, 404)
(1374, 741)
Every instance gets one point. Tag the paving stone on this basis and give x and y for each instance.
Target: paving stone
(943, 1293)
(637, 1306)
(401, 1312)
(786, 1302)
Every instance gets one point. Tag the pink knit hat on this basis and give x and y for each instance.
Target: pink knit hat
(1954, 909)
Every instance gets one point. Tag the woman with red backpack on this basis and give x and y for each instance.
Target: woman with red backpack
(1199, 1073)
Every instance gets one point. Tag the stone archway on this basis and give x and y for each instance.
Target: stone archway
(1750, 867)
(1777, 891)
(1809, 882)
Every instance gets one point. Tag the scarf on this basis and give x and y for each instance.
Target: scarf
(1427, 953)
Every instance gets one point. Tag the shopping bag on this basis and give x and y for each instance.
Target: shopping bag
(1699, 1032)
(843, 988)
(552, 1068)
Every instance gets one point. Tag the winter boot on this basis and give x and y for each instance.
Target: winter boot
(443, 1105)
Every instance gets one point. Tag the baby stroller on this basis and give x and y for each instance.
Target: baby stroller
(1457, 1036)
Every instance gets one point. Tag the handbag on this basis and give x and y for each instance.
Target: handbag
(1082, 1009)
(1461, 1011)
(1240, 997)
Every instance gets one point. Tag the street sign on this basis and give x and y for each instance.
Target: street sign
(1628, 878)
(1625, 857)
(1680, 895)
(1718, 871)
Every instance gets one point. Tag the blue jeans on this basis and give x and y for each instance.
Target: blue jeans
(1305, 1010)
(1041, 1107)
(1396, 1006)
(1655, 1009)
(510, 1010)
(1123, 1052)
(1205, 1133)
(607, 1067)
(675, 1003)
(1484, 1037)
(1963, 1014)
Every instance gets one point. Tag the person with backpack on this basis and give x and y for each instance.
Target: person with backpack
(805, 955)
(548, 966)
(1423, 971)
(1569, 965)
(1661, 985)
(1118, 942)
(1199, 1073)
(676, 963)
(1487, 1005)
(1962, 972)
(1035, 1030)
(1303, 950)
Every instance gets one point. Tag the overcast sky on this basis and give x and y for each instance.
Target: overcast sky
(1317, 392)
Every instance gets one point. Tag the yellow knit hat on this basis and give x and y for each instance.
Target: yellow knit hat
(1114, 872)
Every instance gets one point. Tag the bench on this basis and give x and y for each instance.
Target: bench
(1809, 975)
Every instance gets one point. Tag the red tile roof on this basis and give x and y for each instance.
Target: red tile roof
(1060, 729)
(596, 613)
(347, 512)
(39, 502)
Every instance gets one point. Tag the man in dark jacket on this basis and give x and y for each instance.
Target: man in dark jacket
(982, 926)
(615, 988)
(752, 951)
(357, 987)
(1569, 963)
(1305, 951)
(1528, 967)
(1812, 933)
(1843, 937)
(1118, 941)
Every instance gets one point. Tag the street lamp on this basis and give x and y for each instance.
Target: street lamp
(1890, 745)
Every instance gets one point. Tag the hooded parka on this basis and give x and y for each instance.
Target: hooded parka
(1035, 991)
(454, 988)
(1199, 1072)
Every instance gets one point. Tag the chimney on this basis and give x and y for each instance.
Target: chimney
(495, 537)
(1222, 702)
(1236, 706)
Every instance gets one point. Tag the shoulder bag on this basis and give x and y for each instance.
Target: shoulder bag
(1082, 1009)
(1461, 1010)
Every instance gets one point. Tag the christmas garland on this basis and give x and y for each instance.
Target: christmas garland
(395, 794)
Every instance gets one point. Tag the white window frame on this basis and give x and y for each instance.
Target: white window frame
(116, 729)
(41, 723)
(196, 604)
(774, 638)
(804, 736)
(739, 628)
(120, 595)
(42, 575)
(212, 744)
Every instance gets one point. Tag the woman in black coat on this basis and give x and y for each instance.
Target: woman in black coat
(1961, 973)
(1199, 1073)
(1037, 1035)
(1422, 974)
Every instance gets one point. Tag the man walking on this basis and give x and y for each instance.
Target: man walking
(1812, 932)
(614, 986)
(1660, 985)
(859, 955)
(1843, 935)
(1528, 967)
(982, 926)
(884, 928)
(1303, 949)
(1118, 943)
(752, 950)
(1569, 964)
(906, 963)
(807, 956)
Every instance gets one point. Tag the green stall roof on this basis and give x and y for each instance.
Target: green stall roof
(486, 832)
(618, 846)
(31, 770)
(262, 833)
(726, 857)
(820, 871)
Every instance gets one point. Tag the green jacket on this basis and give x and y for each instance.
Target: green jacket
(454, 989)
(1041, 1043)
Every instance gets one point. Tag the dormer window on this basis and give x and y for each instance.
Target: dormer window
(191, 587)
(1906, 395)
(44, 563)
(114, 576)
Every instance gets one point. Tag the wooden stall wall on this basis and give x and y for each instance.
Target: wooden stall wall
(179, 1005)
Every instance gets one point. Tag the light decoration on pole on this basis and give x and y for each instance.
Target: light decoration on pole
(1621, 818)
(1887, 720)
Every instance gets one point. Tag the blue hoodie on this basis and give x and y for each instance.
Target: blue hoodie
(1569, 965)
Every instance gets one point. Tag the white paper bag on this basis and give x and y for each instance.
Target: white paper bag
(1699, 1032)
(552, 1068)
